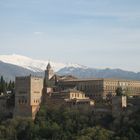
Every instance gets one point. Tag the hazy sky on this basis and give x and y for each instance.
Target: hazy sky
(96, 33)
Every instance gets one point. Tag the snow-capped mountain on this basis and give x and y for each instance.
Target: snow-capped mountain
(10, 71)
(17, 65)
(33, 64)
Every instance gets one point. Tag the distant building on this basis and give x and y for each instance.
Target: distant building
(99, 88)
(28, 94)
(71, 98)
(78, 98)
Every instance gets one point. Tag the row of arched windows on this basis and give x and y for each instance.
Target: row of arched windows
(36, 101)
(22, 101)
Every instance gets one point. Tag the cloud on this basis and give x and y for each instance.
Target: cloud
(38, 33)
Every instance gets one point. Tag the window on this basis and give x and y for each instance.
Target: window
(25, 101)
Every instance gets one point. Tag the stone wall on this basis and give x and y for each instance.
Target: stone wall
(28, 96)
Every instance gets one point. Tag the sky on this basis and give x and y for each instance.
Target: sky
(95, 33)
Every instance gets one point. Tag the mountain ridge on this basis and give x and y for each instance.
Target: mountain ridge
(100, 73)
(20, 66)
(34, 64)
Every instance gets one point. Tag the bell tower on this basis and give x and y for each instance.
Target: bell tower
(49, 73)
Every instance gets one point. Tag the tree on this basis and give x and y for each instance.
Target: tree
(127, 92)
(2, 85)
(119, 91)
(95, 133)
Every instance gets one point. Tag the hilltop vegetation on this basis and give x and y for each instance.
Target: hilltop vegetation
(71, 124)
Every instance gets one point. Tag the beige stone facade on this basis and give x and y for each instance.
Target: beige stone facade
(100, 88)
(28, 94)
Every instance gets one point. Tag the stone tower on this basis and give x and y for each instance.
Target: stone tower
(28, 96)
(47, 89)
(49, 73)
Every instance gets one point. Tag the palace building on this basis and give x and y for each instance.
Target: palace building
(95, 88)
(30, 91)
(101, 88)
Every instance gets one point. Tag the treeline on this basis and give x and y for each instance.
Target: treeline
(71, 124)
(6, 86)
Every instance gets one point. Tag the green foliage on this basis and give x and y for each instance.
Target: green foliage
(119, 91)
(6, 86)
(2, 85)
(71, 124)
(95, 133)
(16, 129)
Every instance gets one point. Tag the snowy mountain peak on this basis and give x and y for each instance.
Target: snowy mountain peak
(75, 66)
(34, 64)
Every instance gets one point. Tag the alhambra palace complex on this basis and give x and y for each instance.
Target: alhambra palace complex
(31, 91)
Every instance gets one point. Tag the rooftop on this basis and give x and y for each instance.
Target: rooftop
(100, 79)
